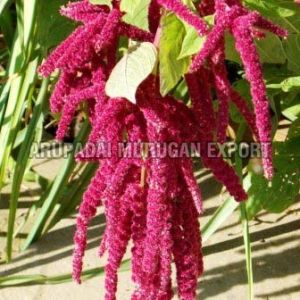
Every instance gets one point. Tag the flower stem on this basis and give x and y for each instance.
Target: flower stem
(244, 218)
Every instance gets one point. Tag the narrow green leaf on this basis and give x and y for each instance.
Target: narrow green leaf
(248, 251)
(134, 67)
(4, 4)
(21, 164)
(20, 87)
(244, 217)
(19, 280)
(29, 10)
(218, 218)
(73, 196)
(7, 27)
(53, 195)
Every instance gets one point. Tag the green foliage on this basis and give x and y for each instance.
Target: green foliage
(276, 196)
(292, 49)
(192, 42)
(4, 4)
(171, 67)
(52, 27)
(136, 12)
(285, 12)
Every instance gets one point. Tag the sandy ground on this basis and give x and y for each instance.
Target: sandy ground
(276, 247)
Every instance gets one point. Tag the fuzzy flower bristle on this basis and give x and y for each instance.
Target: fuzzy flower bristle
(152, 200)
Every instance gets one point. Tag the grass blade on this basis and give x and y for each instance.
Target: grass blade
(73, 196)
(248, 251)
(7, 27)
(244, 218)
(4, 4)
(19, 280)
(29, 10)
(218, 218)
(21, 165)
(19, 90)
(56, 190)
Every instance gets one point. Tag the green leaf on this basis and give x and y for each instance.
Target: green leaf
(248, 250)
(230, 51)
(7, 26)
(171, 68)
(277, 195)
(294, 131)
(52, 27)
(290, 83)
(292, 51)
(101, 2)
(284, 12)
(292, 112)
(52, 196)
(72, 196)
(271, 49)
(19, 280)
(136, 12)
(218, 218)
(4, 4)
(192, 42)
(134, 67)
(22, 161)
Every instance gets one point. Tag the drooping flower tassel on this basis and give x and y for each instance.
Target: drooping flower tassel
(222, 91)
(202, 104)
(246, 47)
(83, 11)
(91, 200)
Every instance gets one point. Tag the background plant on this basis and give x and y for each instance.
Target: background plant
(24, 113)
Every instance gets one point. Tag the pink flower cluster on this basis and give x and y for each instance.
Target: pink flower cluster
(154, 202)
(245, 26)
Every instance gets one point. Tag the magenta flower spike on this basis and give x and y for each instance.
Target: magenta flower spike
(222, 91)
(221, 170)
(91, 200)
(62, 88)
(206, 7)
(69, 109)
(188, 260)
(215, 37)
(246, 47)
(50, 65)
(135, 33)
(83, 11)
(154, 15)
(109, 30)
(192, 185)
